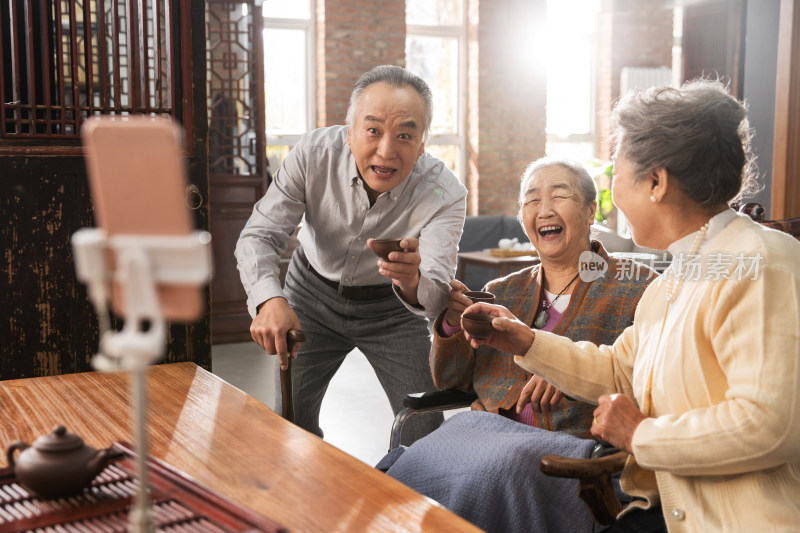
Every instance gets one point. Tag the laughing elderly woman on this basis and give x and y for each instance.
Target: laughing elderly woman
(477, 461)
(556, 209)
(703, 389)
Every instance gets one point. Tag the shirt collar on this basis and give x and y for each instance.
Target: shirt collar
(396, 193)
(352, 169)
(715, 226)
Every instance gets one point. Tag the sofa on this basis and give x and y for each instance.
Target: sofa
(484, 232)
(623, 246)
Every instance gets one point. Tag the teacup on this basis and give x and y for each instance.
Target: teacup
(383, 247)
(480, 296)
(478, 325)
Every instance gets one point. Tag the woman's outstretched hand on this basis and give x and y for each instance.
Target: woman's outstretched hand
(510, 335)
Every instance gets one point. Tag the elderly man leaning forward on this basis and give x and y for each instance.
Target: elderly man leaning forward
(350, 184)
(477, 462)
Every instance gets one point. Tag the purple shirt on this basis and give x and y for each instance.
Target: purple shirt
(526, 416)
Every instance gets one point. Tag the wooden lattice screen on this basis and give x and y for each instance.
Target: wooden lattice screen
(237, 129)
(237, 162)
(71, 59)
(61, 62)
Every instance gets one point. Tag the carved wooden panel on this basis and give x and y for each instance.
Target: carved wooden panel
(62, 62)
(237, 150)
(71, 59)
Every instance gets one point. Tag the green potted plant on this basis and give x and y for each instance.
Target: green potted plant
(602, 172)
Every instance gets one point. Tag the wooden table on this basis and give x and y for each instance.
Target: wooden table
(503, 265)
(229, 442)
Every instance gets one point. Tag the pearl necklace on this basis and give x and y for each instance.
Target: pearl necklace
(674, 288)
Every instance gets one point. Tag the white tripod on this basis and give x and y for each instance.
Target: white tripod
(143, 262)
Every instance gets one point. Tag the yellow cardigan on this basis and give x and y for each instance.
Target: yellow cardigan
(724, 434)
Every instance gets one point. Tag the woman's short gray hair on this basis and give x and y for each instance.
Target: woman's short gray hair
(698, 133)
(580, 176)
(396, 77)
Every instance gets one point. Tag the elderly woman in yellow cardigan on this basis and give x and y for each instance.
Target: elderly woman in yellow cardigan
(702, 389)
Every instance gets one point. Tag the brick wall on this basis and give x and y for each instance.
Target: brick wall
(506, 100)
(507, 115)
(506, 97)
(631, 33)
(354, 36)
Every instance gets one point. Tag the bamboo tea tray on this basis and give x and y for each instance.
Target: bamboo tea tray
(179, 503)
(502, 252)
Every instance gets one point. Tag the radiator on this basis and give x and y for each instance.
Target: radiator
(631, 78)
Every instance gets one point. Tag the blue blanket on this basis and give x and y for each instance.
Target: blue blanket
(485, 468)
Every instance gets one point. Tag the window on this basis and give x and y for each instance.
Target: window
(436, 51)
(570, 36)
(290, 88)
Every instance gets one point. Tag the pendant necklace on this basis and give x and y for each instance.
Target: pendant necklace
(541, 318)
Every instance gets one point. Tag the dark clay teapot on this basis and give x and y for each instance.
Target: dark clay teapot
(58, 464)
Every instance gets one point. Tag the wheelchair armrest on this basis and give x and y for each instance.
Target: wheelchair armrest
(603, 449)
(440, 399)
(594, 477)
(553, 465)
(425, 402)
